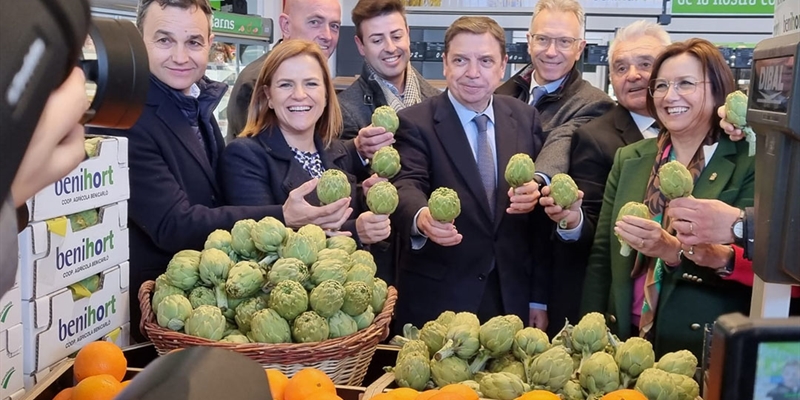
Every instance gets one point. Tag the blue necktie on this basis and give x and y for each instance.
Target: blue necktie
(538, 92)
(485, 160)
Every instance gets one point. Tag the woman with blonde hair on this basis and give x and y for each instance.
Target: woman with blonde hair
(290, 139)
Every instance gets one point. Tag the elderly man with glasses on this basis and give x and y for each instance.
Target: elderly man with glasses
(553, 84)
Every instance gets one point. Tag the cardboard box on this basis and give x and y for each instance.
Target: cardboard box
(56, 326)
(10, 309)
(94, 183)
(11, 380)
(120, 336)
(54, 257)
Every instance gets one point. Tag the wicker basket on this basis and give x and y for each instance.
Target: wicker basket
(344, 360)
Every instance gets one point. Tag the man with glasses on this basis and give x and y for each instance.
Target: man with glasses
(631, 57)
(553, 84)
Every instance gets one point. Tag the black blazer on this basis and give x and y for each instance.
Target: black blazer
(176, 201)
(435, 152)
(261, 171)
(591, 157)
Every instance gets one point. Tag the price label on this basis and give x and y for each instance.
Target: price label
(418, 51)
(434, 51)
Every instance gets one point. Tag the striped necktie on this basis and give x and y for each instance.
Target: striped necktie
(485, 160)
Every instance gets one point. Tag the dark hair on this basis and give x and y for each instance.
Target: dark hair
(141, 11)
(715, 71)
(477, 26)
(261, 116)
(368, 9)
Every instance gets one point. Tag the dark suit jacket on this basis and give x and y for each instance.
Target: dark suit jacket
(691, 295)
(240, 97)
(176, 200)
(435, 152)
(262, 170)
(591, 156)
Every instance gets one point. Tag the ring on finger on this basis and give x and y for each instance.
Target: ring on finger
(691, 250)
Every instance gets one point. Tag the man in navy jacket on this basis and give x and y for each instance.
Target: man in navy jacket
(175, 145)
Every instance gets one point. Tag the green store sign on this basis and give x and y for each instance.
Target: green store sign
(237, 23)
(752, 7)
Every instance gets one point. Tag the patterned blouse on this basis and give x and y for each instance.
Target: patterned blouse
(310, 162)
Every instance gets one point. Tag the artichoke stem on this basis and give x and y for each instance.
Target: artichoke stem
(627, 381)
(410, 331)
(562, 224)
(267, 261)
(480, 361)
(446, 351)
(399, 340)
(222, 297)
(624, 250)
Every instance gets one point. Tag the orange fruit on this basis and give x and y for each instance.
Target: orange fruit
(98, 358)
(465, 391)
(323, 396)
(383, 396)
(404, 394)
(65, 394)
(125, 383)
(97, 387)
(539, 395)
(306, 382)
(277, 383)
(624, 394)
(447, 396)
(427, 394)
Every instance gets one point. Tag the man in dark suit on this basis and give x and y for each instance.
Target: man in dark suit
(314, 20)
(175, 145)
(463, 139)
(592, 150)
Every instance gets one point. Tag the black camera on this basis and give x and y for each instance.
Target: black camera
(42, 41)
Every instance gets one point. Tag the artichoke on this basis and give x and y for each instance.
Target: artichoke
(520, 170)
(214, 268)
(361, 273)
(365, 319)
(83, 219)
(551, 370)
(446, 318)
(162, 282)
(463, 340)
(475, 386)
(163, 291)
(230, 312)
(444, 204)
(410, 347)
(246, 310)
(529, 343)
(316, 234)
(335, 254)
(634, 356)
(364, 257)
(268, 234)
(242, 239)
(333, 186)
(202, 296)
(289, 299)
(386, 118)
(637, 210)
(231, 329)
(328, 270)
(183, 270)
(244, 280)
(92, 146)
(433, 334)
(656, 384)
(266, 326)
(507, 363)
(287, 269)
(310, 327)
(675, 180)
(237, 339)
(173, 311)
(220, 240)
(449, 370)
(736, 114)
(413, 371)
(206, 322)
(301, 247)
(503, 386)
(382, 198)
(326, 299)
(590, 335)
(380, 291)
(681, 362)
(341, 324)
(386, 163)
(572, 391)
(496, 336)
(564, 192)
(686, 387)
(599, 374)
(357, 297)
(345, 243)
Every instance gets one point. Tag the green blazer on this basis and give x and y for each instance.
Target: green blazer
(691, 296)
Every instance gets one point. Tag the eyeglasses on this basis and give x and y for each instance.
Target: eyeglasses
(562, 43)
(660, 87)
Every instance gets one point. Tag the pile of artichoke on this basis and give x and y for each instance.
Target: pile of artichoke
(503, 360)
(265, 283)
